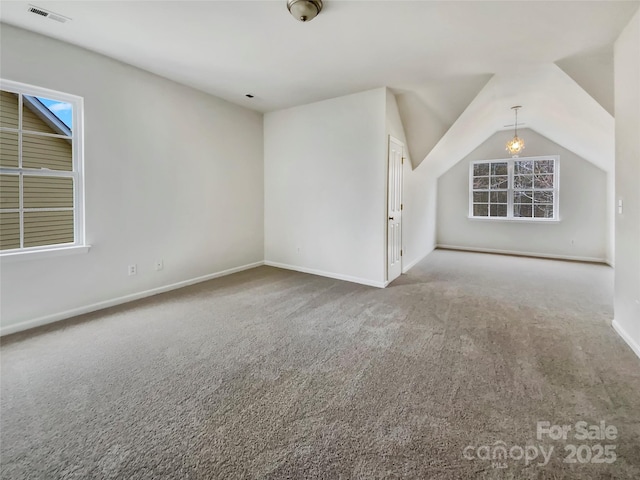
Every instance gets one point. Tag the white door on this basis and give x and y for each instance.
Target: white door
(394, 196)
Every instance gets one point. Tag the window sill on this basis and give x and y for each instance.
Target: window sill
(24, 255)
(514, 220)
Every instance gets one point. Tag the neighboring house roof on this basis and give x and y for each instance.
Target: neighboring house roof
(46, 115)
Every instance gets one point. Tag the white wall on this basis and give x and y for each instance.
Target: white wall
(171, 173)
(325, 187)
(395, 127)
(627, 109)
(593, 71)
(419, 193)
(581, 233)
(419, 217)
(423, 127)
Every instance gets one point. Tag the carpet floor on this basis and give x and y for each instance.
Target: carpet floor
(273, 374)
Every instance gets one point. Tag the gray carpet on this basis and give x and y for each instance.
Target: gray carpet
(275, 374)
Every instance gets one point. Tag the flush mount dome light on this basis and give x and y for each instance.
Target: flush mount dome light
(304, 10)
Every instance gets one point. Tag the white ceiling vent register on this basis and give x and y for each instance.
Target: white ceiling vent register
(48, 14)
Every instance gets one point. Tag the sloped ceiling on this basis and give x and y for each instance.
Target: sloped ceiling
(429, 109)
(593, 71)
(230, 48)
(437, 56)
(554, 105)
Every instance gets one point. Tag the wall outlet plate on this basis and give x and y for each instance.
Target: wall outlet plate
(133, 269)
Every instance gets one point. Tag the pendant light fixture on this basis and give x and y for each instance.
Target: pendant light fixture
(304, 10)
(516, 144)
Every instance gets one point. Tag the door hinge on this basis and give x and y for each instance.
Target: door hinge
(402, 162)
(402, 206)
(400, 252)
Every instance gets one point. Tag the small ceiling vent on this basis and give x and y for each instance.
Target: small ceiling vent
(48, 14)
(37, 11)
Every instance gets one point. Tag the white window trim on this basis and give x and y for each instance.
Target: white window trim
(77, 141)
(33, 254)
(510, 190)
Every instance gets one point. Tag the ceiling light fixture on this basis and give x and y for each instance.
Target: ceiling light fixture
(304, 10)
(516, 144)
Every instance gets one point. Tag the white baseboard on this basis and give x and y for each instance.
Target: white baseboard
(523, 254)
(337, 276)
(626, 337)
(18, 327)
(406, 268)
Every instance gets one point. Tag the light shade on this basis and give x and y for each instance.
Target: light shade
(515, 145)
(304, 10)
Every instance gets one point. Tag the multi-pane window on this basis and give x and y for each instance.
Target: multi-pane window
(40, 168)
(514, 189)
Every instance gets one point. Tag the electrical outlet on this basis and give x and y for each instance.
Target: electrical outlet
(133, 269)
(159, 265)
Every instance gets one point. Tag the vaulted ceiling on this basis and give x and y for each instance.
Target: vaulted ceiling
(556, 107)
(452, 65)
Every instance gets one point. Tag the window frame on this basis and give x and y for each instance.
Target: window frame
(77, 172)
(510, 190)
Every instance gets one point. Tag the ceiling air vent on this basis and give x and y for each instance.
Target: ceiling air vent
(37, 11)
(47, 14)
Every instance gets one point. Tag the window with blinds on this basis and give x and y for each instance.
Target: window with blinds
(40, 168)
